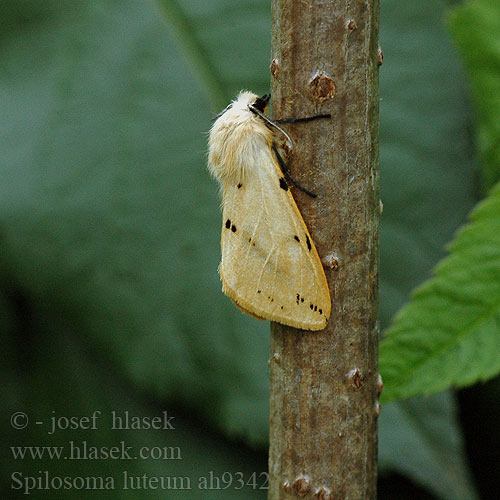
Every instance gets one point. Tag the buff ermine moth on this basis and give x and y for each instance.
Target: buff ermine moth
(270, 267)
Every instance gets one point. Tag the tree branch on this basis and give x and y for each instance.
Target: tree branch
(325, 385)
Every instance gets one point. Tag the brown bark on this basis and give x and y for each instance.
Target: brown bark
(324, 385)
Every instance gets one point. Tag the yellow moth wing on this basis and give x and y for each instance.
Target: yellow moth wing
(270, 267)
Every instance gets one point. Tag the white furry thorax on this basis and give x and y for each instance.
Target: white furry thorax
(236, 139)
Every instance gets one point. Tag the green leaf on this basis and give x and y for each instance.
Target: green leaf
(449, 334)
(427, 171)
(421, 438)
(108, 213)
(166, 455)
(476, 29)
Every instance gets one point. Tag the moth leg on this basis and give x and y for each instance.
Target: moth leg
(288, 175)
(304, 119)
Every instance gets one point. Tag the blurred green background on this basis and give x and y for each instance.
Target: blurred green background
(109, 233)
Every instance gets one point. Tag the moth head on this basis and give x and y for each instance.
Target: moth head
(246, 99)
(262, 102)
(236, 135)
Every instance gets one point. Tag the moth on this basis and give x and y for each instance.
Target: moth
(269, 267)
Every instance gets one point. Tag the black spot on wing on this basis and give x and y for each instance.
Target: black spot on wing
(312, 306)
(296, 238)
(283, 184)
(228, 224)
(233, 228)
(239, 185)
(308, 241)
